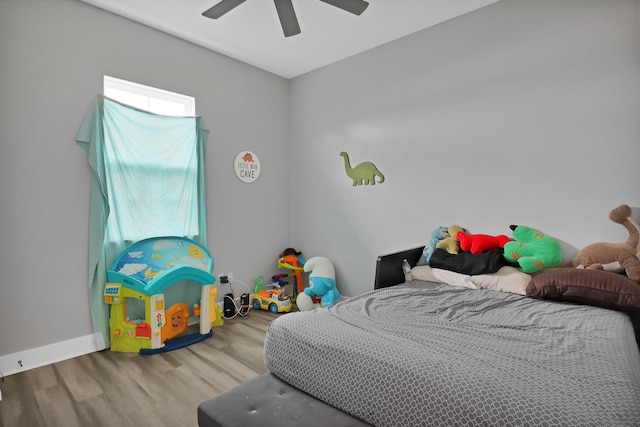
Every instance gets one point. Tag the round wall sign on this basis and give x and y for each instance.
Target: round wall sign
(247, 166)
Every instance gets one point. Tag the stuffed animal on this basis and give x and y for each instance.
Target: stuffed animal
(322, 280)
(450, 242)
(479, 243)
(436, 235)
(616, 257)
(532, 250)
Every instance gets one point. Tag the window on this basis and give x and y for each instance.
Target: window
(154, 100)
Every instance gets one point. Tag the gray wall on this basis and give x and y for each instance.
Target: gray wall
(53, 55)
(523, 112)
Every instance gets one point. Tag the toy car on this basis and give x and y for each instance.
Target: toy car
(274, 300)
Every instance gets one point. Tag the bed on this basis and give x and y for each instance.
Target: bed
(426, 353)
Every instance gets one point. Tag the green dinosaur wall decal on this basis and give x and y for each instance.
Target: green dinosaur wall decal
(364, 173)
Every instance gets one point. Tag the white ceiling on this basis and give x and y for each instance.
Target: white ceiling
(252, 34)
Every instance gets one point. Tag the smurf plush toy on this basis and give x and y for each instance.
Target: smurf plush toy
(322, 280)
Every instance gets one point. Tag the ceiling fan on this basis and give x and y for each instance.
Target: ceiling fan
(285, 10)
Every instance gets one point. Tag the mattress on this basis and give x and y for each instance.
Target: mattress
(430, 354)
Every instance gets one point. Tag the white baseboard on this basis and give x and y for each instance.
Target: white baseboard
(40, 356)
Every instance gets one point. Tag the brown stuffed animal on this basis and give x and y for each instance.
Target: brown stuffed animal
(616, 257)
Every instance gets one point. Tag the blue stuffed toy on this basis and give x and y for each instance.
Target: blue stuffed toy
(438, 234)
(322, 281)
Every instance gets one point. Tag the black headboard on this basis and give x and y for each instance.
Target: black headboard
(635, 319)
(389, 267)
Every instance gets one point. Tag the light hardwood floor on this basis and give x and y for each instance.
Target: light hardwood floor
(125, 389)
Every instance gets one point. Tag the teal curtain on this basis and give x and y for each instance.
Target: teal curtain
(147, 180)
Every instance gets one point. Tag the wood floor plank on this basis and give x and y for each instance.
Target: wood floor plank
(219, 381)
(159, 415)
(79, 382)
(126, 395)
(188, 385)
(42, 377)
(248, 354)
(152, 382)
(225, 363)
(58, 408)
(18, 406)
(103, 410)
(165, 362)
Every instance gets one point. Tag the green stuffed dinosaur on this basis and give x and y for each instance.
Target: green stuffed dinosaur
(532, 250)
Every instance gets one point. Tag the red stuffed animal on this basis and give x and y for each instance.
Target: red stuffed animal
(478, 243)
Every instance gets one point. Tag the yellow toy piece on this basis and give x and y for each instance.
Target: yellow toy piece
(450, 242)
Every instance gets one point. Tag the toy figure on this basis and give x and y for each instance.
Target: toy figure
(322, 281)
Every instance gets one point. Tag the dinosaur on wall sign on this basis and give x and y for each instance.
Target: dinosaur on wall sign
(364, 173)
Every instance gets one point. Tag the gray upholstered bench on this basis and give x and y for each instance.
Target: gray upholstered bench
(267, 401)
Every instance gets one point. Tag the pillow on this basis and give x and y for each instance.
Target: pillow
(422, 272)
(452, 278)
(507, 279)
(440, 275)
(594, 287)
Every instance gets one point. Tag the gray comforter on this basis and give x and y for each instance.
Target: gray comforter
(422, 354)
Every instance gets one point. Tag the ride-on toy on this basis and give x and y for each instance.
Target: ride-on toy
(273, 299)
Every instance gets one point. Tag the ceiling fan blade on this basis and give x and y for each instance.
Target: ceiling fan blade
(221, 8)
(288, 18)
(354, 6)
